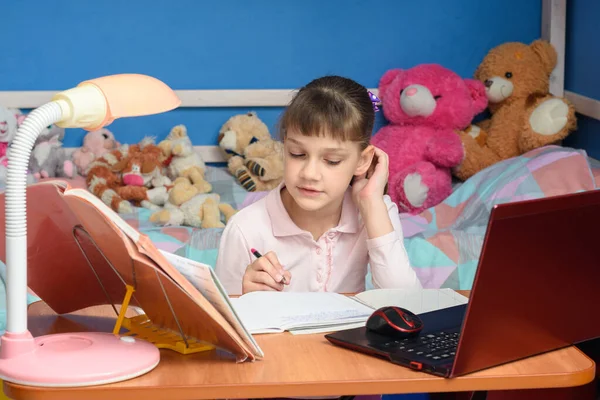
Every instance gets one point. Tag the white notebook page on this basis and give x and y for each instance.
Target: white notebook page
(416, 300)
(266, 312)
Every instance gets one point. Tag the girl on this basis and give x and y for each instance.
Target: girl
(329, 218)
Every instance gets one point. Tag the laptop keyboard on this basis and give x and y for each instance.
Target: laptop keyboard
(437, 346)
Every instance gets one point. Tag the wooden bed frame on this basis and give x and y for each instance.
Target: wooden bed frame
(553, 30)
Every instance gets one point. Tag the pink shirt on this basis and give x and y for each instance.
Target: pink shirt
(337, 262)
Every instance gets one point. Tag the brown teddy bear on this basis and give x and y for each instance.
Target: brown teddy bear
(254, 158)
(524, 115)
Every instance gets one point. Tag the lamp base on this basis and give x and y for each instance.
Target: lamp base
(76, 359)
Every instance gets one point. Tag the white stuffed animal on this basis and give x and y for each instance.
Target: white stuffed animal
(186, 206)
(183, 161)
(48, 158)
(8, 130)
(10, 119)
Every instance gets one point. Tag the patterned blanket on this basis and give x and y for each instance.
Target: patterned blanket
(443, 243)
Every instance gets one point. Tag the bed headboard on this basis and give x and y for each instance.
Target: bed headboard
(189, 99)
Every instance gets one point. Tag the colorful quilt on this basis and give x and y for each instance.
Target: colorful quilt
(444, 243)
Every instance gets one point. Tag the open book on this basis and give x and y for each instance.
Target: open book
(70, 229)
(303, 313)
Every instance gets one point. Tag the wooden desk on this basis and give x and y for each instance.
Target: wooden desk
(305, 365)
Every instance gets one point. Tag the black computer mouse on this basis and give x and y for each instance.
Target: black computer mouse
(394, 322)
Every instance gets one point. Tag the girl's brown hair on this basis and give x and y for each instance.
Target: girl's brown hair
(334, 106)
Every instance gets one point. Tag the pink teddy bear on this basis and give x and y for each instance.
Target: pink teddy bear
(95, 144)
(426, 106)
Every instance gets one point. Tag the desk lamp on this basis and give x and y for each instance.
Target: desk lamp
(69, 359)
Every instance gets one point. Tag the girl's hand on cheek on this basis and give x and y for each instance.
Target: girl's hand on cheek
(371, 186)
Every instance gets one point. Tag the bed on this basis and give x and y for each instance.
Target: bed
(443, 242)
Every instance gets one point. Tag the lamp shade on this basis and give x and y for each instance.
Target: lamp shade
(132, 95)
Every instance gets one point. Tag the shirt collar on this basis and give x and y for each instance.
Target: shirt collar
(283, 225)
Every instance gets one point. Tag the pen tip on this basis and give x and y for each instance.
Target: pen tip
(253, 250)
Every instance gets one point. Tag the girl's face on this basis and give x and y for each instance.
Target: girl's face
(318, 170)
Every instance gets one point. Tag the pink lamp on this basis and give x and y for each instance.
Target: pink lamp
(69, 359)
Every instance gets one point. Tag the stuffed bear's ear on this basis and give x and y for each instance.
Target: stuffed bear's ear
(386, 80)
(120, 166)
(477, 89)
(147, 167)
(546, 53)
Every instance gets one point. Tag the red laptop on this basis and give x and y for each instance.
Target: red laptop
(536, 289)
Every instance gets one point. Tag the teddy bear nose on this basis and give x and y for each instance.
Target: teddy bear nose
(488, 83)
(229, 140)
(133, 180)
(411, 91)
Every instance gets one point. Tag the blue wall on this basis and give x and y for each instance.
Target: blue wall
(582, 58)
(582, 68)
(227, 44)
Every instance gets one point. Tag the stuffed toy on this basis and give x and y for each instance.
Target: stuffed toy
(95, 145)
(182, 160)
(48, 158)
(253, 157)
(8, 130)
(524, 115)
(426, 106)
(187, 206)
(10, 119)
(142, 175)
(128, 175)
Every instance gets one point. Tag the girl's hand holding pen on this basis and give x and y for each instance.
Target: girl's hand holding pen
(265, 273)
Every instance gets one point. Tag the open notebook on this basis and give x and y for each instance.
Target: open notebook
(70, 229)
(306, 312)
(310, 312)
(303, 313)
